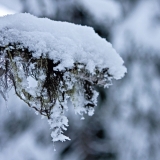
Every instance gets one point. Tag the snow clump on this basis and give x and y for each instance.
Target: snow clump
(65, 61)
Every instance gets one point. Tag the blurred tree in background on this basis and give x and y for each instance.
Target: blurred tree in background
(126, 124)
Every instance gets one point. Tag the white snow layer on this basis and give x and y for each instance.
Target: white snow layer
(61, 41)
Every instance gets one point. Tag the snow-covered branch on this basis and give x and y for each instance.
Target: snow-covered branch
(64, 60)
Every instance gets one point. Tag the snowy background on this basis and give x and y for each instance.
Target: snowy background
(126, 124)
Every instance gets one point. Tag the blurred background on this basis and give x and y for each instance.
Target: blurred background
(126, 123)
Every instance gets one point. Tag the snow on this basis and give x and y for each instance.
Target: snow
(73, 46)
(129, 138)
(63, 41)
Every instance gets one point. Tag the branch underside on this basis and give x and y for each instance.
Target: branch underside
(17, 64)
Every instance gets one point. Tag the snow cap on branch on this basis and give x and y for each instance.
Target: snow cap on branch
(62, 41)
(64, 60)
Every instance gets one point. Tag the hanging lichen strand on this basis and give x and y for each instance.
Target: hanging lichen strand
(53, 85)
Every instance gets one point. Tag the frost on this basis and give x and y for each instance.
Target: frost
(49, 63)
(58, 123)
